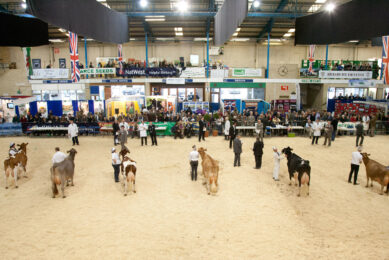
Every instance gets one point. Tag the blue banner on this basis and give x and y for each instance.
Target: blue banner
(147, 72)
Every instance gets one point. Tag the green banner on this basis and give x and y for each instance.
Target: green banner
(237, 85)
(93, 71)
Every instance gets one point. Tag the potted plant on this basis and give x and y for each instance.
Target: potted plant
(207, 118)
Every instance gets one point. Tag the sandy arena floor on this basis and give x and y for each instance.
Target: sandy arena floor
(251, 217)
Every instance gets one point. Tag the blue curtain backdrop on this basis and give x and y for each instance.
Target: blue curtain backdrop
(55, 106)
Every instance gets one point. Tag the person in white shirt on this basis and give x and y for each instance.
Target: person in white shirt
(366, 122)
(125, 124)
(194, 162)
(356, 160)
(73, 132)
(143, 132)
(116, 164)
(58, 156)
(12, 150)
(227, 126)
(277, 158)
(316, 127)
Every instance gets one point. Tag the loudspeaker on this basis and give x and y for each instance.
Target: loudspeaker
(117, 111)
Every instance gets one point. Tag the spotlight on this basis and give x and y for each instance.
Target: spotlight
(143, 3)
(330, 7)
(256, 4)
(182, 6)
(24, 5)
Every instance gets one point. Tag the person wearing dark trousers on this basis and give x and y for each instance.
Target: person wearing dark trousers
(237, 150)
(359, 128)
(334, 124)
(233, 132)
(143, 132)
(356, 160)
(328, 129)
(258, 152)
(73, 132)
(153, 134)
(115, 130)
(201, 129)
(194, 163)
(316, 131)
(115, 164)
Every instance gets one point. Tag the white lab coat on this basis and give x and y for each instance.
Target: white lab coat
(58, 157)
(277, 158)
(227, 126)
(316, 129)
(73, 130)
(366, 121)
(143, 130)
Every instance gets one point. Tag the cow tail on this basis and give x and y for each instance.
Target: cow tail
(54, 188)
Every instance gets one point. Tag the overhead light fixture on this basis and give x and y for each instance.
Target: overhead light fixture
(89, 39)
(201, 39)
(256, 4)
(320, 1)
(330, 7)
(287, 34)
(238, 29)
(235, 34)
(56, 40)
(143, 3)
(178, 29)
(291, 30)
(155, 19)
(62, 30)
(182, 6)
(24, 5)
(164, 39)
(132, 39)
(354, 41)
(179, 34)
(240, 39)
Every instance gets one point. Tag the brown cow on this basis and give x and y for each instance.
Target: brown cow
(129, 174)
(210, 169)
(62, 172)
(375, 172)
(12, 164)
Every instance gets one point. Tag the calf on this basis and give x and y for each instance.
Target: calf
(298, 168)
(129, 174)
(375, 172)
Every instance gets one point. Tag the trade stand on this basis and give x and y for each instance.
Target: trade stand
(125, 106)
(7, 109)
(256, 105)
(232, 104)
(165, 103)
(196, 107)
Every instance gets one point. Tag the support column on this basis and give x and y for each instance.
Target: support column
(86, 54)
(268, 55)
(147, 52)
(207, 54)
(326, 57)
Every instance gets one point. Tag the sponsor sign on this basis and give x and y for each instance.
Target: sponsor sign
(50, 74)
(329, 74)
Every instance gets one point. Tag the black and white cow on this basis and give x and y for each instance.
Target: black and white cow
(298, 168)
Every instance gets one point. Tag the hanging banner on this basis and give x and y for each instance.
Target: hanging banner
(42, 109)
(246, 72)
(50, 74)
(219, 73)
(193, 73)
(94, 71)
(328, 74)
(175, 81)
(361, 83)
(151, 72)
(62, 63)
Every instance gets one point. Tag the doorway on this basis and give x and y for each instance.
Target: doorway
(311, 96)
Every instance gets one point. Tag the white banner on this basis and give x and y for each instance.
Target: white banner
(95, 71)
(175, 81)
(50, 74)
(219, 73)
(329, 74)
(189, 72)
(361, 83)
(246, 72)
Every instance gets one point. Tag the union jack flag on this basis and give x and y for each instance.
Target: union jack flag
(120, 55)
(311, 57)
(74, 62)
(385, 59)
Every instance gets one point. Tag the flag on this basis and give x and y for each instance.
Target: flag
(74, 62)
(311, 57)
(120, 57)
(27, 59)
(385, 59)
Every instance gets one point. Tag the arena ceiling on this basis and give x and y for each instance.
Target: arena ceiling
(162, 20)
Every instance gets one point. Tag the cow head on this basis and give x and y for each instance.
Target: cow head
(365, 156)
(72, 151)
(22, 146)
(201, 151)
(287, 150)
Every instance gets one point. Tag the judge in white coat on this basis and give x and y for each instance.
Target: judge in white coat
(277, 158)
(227, 126)
(316, 128)
(143, 132)
(73, 132)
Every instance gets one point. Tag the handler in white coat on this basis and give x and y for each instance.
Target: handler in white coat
(73, 132)
(227, 126)
(143, 132)
(277, 159)
(58, 156)
(316, 128)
